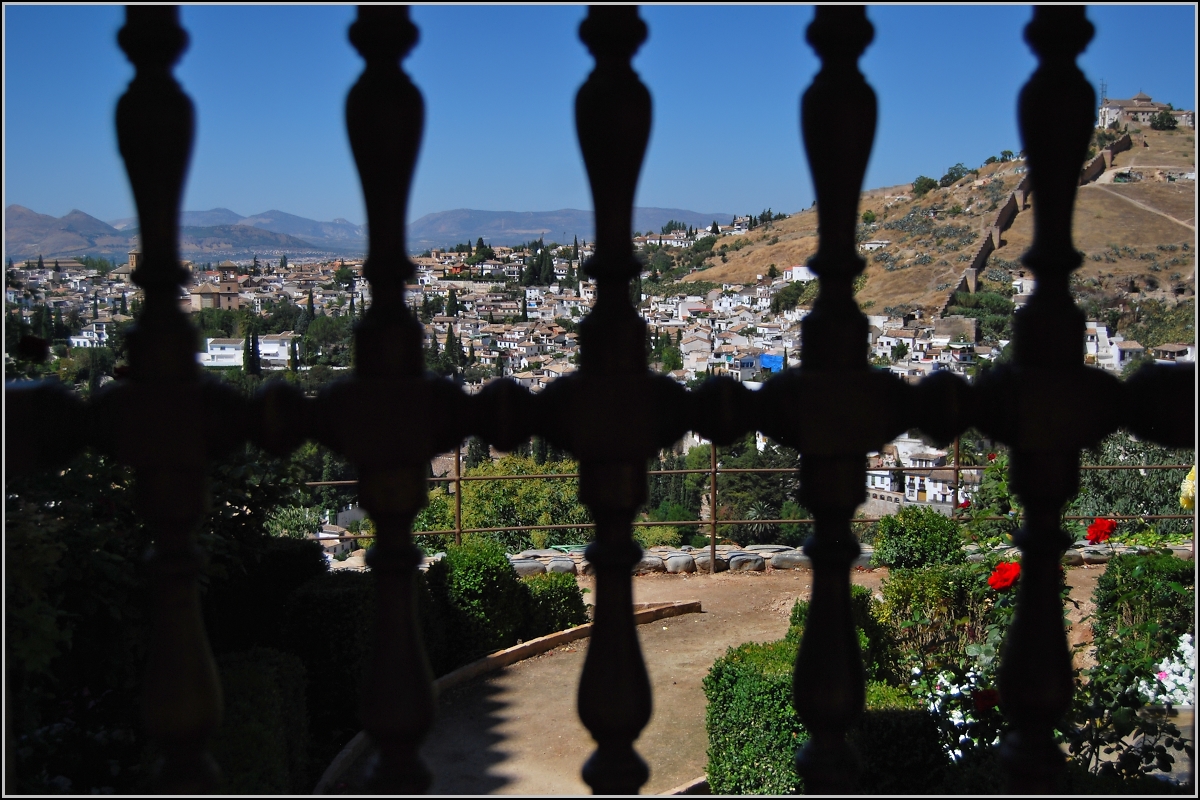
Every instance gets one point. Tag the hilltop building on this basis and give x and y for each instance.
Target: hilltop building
(1141, 109)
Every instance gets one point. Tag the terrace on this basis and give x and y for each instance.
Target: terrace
(612, 415)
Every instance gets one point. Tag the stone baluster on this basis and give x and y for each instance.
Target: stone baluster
(624, 407)
(181, 697)
(1052, 416)
(838, 124)
(367, 418)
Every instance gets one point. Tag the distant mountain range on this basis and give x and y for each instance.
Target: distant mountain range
(448, 228)
(220, 233)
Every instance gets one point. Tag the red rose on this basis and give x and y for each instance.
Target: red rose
(1005, 575)
(1100, 530)
(965, 504)
(991, 457)
(985, 699)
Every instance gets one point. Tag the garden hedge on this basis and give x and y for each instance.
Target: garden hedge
(555, 604)
(246, 610)
(753, 731)
(917, 536)
(262, 745)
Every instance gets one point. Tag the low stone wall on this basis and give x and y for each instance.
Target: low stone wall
(758, 557)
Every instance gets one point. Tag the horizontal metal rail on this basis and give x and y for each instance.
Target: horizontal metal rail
(731, 470)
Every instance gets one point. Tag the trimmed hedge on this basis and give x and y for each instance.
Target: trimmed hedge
(262, 745)
(917, 536)
(754, 733)
(329, 625)
(1143, 591)
(555, 604)
(247, 610)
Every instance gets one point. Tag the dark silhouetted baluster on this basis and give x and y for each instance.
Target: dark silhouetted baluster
(838, 123)
(1053, 420)
(181, 697)
(626, 409)
(367, 418)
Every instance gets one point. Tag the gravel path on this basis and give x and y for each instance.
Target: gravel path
(517, 731)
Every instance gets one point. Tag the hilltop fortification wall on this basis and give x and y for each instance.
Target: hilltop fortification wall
(1104, 159)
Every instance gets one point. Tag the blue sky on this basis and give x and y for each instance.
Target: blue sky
(499, 82)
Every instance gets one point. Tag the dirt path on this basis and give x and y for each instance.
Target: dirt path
(517, 731)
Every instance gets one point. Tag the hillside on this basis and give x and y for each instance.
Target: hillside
(1136, 235)
(28, 234)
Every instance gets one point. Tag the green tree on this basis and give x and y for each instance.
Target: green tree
(344, 277)
(295, 522)
(1164, 121)
(283, 263)
(487, 504)
(868, 217)
(452, 307)
(953, 175)
(672, 359)
(899, 351)
(1006, 156)
(922, 185)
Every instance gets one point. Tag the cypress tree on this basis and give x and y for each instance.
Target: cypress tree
(524, 309)
(293, 359)
(95, 301)
(124, 306)
(40, 264)
(351, 306)
(311, 315)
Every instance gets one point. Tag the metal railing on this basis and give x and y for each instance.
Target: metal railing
(714, 471)
(612, 415)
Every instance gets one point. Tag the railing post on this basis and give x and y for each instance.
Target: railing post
(957, 477)
(1053, 420)
(181, 697)
(458, 495)
(631, 413)
(712, 508)
(365, 415)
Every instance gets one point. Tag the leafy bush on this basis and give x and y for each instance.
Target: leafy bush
(1144, 603)
(276, 568)
(936, 609)
(556, 604)
(753, 730)
(262, 745)
(294, 521)
(482, 584)
(654, 535)
(329, 624)
(917, 537)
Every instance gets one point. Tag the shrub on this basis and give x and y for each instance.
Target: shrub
(556, 604)
(247, 610)
(262, 745)
(482, 584)
(653, 535)
(329, 624)
(1144, 603)
(917, 537)
(936, 609)
(753, 730)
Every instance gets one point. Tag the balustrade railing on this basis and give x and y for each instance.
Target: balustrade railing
(612, 415)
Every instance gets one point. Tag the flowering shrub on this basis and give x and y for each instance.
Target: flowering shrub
(967, 712)
(1175, 681)
(1187, 490)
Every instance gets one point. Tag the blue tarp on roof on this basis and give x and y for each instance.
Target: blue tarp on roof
(770, 362)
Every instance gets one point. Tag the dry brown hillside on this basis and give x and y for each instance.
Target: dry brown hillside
(1142, 231)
